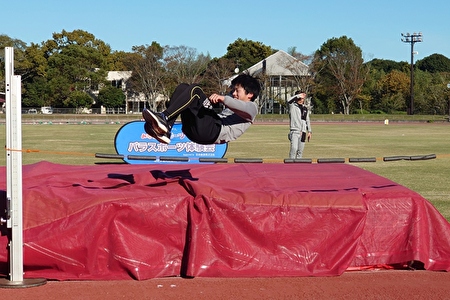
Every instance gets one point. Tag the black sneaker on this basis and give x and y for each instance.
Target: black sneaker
(157, 120)
(162, 138)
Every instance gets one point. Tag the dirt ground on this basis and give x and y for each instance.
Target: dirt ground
(385, 284)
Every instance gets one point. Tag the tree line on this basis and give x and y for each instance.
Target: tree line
(69, 70)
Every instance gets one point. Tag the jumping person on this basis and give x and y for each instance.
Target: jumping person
(199, 122)
(300, 125)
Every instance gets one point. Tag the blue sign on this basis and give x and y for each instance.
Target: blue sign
(137, 147)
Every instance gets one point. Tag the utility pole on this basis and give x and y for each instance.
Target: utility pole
(448, 87)
(412, 39)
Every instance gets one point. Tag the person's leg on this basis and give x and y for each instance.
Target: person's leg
(178, 91)
(301, 145)
(175, 95)
(295, 139)
(185, 96)
(201, 125)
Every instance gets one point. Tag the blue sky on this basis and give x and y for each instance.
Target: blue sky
(210, 26)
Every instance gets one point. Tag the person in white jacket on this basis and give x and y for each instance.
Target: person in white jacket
(299, 125)
(200, 122)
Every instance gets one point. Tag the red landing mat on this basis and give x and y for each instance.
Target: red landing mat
(220, 220)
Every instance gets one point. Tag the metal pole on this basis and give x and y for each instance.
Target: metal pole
(14, 221)
(448, 96)
(412, 39)
(411, 104)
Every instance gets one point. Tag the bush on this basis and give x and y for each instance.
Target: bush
(378, 112)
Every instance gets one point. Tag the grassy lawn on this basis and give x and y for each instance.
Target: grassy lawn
(78, 143)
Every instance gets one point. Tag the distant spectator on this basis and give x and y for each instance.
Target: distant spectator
(300, 125)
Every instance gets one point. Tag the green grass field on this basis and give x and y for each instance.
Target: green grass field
(77, 144)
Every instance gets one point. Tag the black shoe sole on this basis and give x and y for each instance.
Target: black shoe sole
(153, 119)
(151, 132)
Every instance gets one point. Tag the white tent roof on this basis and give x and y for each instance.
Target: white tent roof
(118, 75)
(278, 64)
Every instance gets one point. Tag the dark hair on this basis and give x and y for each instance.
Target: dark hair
(249, 83)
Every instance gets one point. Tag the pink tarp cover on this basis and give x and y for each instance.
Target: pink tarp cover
(119, 221)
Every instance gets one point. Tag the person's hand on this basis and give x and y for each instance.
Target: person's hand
(216, 98)
(309, 136)
(301, 96)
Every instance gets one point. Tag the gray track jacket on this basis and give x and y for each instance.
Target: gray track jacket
(236, 118)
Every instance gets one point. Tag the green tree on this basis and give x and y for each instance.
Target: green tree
(431, 92)
(21, 64)
(36, 89)
(370, 90)
(246, 53)
(184, 64)
(111, 97)
(77, 61)
(37, 93)
(37, 62)
(343, 71)
(393, 92)
(218, 70)
(434, 63)
(116, 61)
(78, 99)
(387, 66)
(148, 73)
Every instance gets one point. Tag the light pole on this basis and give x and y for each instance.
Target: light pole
(448, 87)
(412, 39)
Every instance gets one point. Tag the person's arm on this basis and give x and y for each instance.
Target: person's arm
(294, 98)
(245, 109)
(308, 126)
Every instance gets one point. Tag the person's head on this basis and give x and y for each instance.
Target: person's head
(300, 97)
(245, 87)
